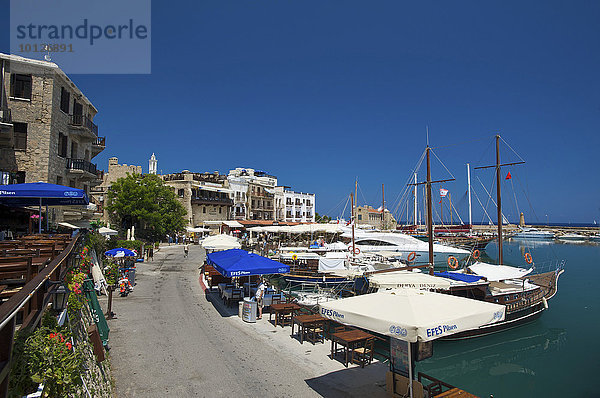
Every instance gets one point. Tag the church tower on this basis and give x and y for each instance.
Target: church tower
(152, 163)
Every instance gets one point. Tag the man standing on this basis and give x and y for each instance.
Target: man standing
(260, 293)
(185, 250)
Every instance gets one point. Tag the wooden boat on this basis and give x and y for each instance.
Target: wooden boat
(524, 295)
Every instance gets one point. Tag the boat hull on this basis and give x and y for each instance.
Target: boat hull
(512, 320)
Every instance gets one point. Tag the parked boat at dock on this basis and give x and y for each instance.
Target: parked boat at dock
(534, 233)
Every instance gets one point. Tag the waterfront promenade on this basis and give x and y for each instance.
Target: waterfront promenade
(172, 339)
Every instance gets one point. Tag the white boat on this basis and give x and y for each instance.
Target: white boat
(595, 238)
(533, 233)
(571, 236)
(405, 245)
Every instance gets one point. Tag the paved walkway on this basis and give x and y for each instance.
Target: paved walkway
(172, 338)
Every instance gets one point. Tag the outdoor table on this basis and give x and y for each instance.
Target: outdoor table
(282, 309)
(348, 339)
(306, 322)
(268, 299)
(228, 294)
(269, 290)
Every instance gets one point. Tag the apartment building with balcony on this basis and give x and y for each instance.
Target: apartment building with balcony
(299, 206)
(205, 196)
(253, 194)
(47, 132)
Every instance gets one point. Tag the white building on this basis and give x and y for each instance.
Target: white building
(253, 191)
(299, 206)
(152, 164)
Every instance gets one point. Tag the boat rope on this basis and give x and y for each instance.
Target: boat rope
(481, 204)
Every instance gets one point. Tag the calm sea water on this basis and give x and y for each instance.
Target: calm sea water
(557, 355)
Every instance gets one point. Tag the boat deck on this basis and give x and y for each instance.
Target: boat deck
(547, 281)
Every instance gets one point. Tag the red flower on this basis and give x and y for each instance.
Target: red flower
(52, 335)
(69, 345)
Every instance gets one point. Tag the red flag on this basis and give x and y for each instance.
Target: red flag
(440, 201)
(508, 176)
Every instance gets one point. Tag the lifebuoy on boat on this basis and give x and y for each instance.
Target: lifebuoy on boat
(528, 258)
(356, 251)
(452, 262)
(476, 254)
(294, 256)
(411, 257)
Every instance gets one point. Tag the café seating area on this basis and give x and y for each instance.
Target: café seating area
(23, 258)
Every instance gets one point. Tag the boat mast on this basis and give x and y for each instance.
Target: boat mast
(415, 201)
(469, 195)
(429, 214)
(352, 222)
(498, 198)
(382, 208)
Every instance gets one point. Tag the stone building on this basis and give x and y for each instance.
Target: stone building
(113, 173)
(47, 131)
(299, 206)
(367, 215)
(205, 196)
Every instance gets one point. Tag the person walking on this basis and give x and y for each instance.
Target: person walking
(151, 253)
(186, 249)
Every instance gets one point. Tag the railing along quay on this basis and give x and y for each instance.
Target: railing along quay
(33, 298)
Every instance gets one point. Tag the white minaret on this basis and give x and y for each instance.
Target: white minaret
(152, 163)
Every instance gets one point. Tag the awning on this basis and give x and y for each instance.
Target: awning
(233, 224)
(67, 225)
(494, 272)
(213, 222)
(411, 315)
(197, 229)
(238, 262)
(407, 279)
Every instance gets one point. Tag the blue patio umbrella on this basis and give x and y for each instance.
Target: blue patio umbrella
(41, 193)
(120, 252)
(237, 262)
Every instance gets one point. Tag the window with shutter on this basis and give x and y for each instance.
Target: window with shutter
(20, 130)
(65, 98)
(62, 145)
(20, 86)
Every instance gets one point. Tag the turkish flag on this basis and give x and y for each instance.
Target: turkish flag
(508, 176)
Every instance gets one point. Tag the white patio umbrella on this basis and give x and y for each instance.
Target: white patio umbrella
(107, 231)
(412, 315)
(221, 242)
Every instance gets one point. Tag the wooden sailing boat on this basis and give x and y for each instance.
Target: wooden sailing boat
(525, 295)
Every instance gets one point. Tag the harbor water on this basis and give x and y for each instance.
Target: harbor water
(557, 355)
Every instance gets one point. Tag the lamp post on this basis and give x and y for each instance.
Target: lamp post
(60, 296)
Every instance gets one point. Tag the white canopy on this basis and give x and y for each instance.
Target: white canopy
(411, 315)
(494, 272)
(221, 242)
(107, 231)
(197, 229)
(407, 279)
(331, 264)
(233, 224)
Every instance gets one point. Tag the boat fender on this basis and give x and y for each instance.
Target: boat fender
(452, 262)
(476, 254)
(528, 258)
(545, 302)
(411, 257)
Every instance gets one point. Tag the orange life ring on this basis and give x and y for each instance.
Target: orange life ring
(528, 258)
(476, 254)
(452, 262)
(411, 257)
(356, 251)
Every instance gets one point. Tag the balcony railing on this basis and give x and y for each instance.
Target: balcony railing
(100, 141)
(5, 115)
(201, 200)
(84, 121)
(80, 164)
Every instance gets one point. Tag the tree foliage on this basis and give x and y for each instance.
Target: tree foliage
(322, 218)
(144, 201)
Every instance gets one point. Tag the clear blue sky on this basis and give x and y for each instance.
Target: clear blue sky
(321, 92)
